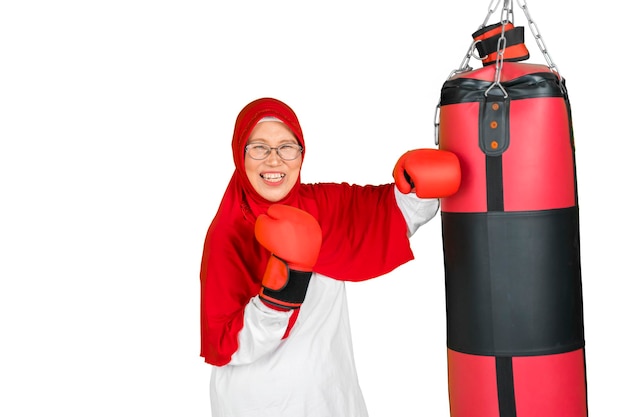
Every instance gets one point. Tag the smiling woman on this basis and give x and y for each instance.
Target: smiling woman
(274, 314)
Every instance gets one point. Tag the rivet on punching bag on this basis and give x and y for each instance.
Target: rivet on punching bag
(514, 311)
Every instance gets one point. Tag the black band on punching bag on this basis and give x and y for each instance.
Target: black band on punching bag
(513, 282)
(467, 90)
(495, 195)
(506, 389)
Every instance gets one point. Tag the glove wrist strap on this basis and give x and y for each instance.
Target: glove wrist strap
(291, 295)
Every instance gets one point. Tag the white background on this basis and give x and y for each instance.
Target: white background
(115, 125)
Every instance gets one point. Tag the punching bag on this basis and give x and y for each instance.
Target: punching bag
(514, 311)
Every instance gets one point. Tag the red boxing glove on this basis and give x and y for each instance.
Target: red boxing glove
(432, 173)
(294, 237)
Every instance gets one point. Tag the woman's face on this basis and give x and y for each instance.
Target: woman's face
(272, 177)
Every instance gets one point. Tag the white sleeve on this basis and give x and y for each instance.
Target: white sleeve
(417, 211)
(262, 332)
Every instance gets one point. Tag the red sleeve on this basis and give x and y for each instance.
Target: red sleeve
(364, 231)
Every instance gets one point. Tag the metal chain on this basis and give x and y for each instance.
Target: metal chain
(492, 9)
(505, 17)
(464, 67)
(539, 39)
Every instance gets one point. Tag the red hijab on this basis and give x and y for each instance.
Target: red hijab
(364, 236)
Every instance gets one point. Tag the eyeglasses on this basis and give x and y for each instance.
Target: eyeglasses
(286, 151)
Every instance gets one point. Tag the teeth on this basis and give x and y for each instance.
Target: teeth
(274, 176)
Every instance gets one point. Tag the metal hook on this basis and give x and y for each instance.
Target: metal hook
(497, 83)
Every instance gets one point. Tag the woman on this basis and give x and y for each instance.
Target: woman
(274, 318)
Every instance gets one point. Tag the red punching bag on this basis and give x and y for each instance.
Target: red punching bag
(511, 236)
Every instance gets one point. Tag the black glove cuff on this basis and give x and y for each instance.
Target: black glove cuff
(292, 294)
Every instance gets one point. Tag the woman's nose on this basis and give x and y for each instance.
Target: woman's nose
(273, 158)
